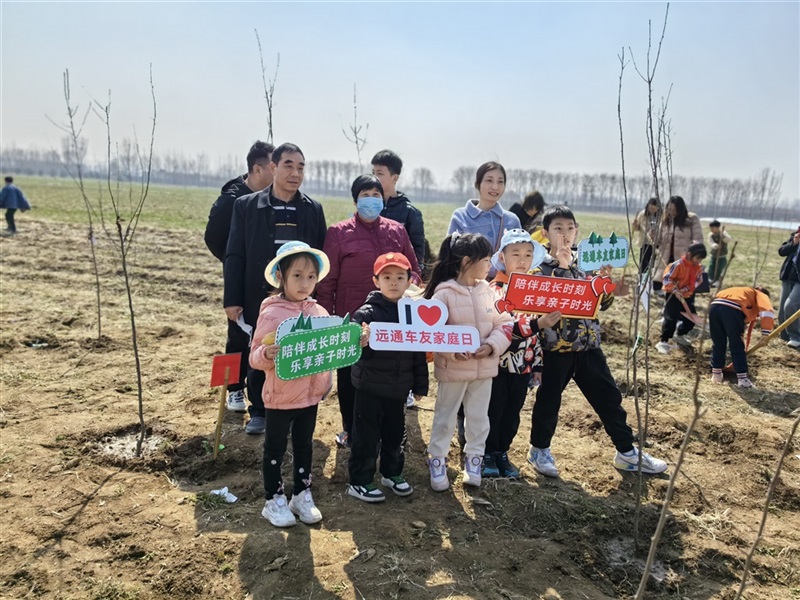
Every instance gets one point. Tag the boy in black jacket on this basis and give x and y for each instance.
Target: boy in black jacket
(382, 379)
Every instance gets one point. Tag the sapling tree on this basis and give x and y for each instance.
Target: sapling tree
(269, 89)
(655, 152)
(72, 159)
(353, 132)
(124, 227)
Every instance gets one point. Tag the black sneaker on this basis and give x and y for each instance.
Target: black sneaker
(367, 493)
(505, 466)
(489, 466)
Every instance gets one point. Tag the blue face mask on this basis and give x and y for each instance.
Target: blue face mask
(369, 208)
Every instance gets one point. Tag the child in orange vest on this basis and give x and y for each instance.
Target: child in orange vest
(681, 278)
(730, 311)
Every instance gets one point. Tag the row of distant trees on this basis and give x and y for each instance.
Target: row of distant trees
(758, 196)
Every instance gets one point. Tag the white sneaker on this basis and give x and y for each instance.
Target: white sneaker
(277, 512)
(716, 378)
(793, 344)
(303, 506)
(410, 402)
(438, 468)
(236, 402)
(543, 461)
(744, 382)
(630, 461)
(662, 347)
(682, 340)
(472, 470)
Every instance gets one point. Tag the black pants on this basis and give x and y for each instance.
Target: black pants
(346, 394)
(303, 421)
(590, 372)
(238, 342)
(255, 383)
(673, 318)
(508, 395)
(645, 256)
(727, 327)
(379, 426)
(10, 219)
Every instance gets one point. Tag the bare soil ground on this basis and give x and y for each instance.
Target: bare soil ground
(82, 518)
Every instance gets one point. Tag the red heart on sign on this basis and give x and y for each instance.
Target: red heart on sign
(430, 314)
(504, 305)
(602, 285)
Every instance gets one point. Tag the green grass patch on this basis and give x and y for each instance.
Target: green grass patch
(187, 208)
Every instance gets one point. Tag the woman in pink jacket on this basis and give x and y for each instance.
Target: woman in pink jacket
(294, 271)
(459, 281)
(352, 247)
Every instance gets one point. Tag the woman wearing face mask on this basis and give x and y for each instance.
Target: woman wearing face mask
(352, 247)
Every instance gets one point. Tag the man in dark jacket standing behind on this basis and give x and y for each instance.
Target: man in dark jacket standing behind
(218, 228)
(386, 166)
(261, 223)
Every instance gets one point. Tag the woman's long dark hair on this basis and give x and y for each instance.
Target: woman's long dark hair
(653, 202)
(681, 212)
(454, 248)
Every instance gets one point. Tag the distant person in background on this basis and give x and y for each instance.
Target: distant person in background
(353, 246)
(646, 222)
(484, 215)
(679, 230)
(790, 288)
(12, 199)
(262, 222)
(218, 228)
(530, 213)
(386, 166)
(718, 241)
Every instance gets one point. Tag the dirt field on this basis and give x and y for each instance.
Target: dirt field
(81, 520)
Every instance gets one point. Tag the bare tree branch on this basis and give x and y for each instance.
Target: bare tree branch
(772, 484)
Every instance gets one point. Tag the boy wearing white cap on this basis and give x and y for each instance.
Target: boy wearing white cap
(518, 253)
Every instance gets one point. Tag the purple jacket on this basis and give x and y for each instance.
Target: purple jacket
(352, 247)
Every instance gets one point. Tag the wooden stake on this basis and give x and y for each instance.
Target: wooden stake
(221, 414)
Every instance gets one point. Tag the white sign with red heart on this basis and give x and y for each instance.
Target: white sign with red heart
(423, 328)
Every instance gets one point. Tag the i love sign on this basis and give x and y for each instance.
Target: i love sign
(538, 294)
(423, 328)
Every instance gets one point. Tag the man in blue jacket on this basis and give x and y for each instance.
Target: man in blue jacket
(12, 199)
(258, 177)
(261, 223)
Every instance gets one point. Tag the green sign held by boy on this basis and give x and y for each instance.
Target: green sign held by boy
(597, 252)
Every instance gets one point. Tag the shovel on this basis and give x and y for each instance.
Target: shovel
(688, 314)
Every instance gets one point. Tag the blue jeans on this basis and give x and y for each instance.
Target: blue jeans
(789, 304)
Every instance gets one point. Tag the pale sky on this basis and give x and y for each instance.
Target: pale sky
(533, 85)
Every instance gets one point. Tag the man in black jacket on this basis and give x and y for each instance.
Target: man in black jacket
(261, 223)
(258, 177)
